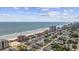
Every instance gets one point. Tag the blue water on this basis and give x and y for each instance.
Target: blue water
(14, 27)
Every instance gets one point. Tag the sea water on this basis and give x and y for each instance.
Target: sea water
(17, 27)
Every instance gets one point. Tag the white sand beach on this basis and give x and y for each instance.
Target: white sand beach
(26, 33)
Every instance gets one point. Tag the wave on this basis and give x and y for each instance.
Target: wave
(23, 33)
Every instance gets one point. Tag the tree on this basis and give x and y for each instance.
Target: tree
(46, 40)
(21, 47)
(74, 46)
(70, 41)
(53, 37)
(75, 42)
(46, 35)
(58, 47)
(75, 35)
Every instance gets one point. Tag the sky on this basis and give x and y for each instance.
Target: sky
(39, 14)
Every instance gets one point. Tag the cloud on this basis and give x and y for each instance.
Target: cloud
(47, 8)
(41, 14)
(65, 13)
(57, 14)
(54, 16)
(54, 13)
(3, 14)
(16, 8)
(44, 8)
(65, 10)
(26, 8)
(65, 16)
(71, 10)
(49, 15)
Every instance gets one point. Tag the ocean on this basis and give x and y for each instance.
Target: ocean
(16, 27)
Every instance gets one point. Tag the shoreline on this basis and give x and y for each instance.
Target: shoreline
(26, 33)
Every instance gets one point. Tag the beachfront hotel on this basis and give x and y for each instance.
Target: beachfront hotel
(21, 38)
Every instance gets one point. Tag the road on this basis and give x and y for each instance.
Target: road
(41, 49)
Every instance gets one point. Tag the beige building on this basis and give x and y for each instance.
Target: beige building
(21, 38)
